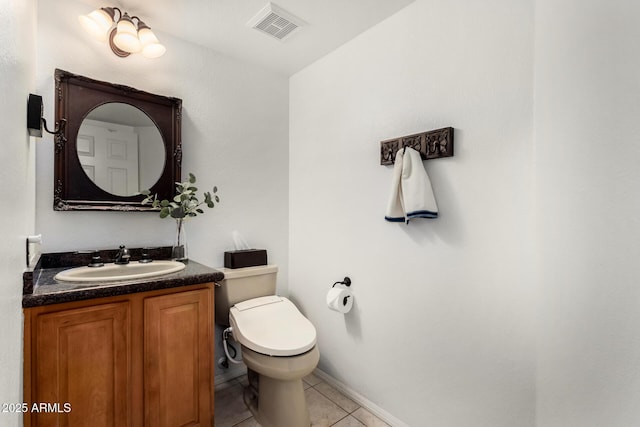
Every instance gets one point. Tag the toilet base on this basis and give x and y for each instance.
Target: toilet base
(280, 397)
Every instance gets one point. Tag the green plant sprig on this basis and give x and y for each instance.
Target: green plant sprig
(185, 204)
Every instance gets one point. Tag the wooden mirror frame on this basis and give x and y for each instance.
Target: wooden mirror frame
(76, 96)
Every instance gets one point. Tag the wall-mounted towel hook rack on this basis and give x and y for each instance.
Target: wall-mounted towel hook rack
(433, 144)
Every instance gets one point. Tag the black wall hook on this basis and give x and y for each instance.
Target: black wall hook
(35, 121)
(346, 282)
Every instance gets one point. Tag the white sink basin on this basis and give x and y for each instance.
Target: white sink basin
(115, 272)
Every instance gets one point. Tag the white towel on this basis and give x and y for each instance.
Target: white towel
(411, 193)
(395, 211)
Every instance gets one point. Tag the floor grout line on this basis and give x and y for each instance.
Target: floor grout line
(336, 403)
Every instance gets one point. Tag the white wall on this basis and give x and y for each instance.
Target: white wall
(17, 68)
(443, 329)
(587, 88)
(234, 135)
(442, 332)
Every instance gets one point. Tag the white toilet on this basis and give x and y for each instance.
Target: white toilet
(278, 344)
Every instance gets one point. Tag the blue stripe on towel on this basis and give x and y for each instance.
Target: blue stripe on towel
(422, 214)
(394, 219)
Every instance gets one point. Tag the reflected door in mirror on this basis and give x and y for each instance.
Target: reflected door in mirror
(109, 156)
(120, 149)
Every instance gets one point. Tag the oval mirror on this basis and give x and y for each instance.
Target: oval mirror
(120, 149)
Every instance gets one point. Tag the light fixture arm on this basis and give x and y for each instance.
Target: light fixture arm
(58, 129)
(119, 13)
(111, 11)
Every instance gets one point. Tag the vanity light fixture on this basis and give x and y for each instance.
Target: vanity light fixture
(126, 34)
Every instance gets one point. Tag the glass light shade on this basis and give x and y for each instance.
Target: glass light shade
(97, 23)
(126, 37)
(151, 47)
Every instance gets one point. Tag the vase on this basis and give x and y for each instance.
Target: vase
(179, 250)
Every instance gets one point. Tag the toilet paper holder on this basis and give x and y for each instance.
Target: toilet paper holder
(346, 282)
(343, 296)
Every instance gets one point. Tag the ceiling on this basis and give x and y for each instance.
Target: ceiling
(220, 25)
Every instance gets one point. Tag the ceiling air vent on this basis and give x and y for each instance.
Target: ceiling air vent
(276, 22)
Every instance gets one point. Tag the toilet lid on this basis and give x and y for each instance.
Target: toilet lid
(272, 325)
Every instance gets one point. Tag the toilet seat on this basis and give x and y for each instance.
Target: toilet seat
(272, 325)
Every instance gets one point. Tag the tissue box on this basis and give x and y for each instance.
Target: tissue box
(245, 258)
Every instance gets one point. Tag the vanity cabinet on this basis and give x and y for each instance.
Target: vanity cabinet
(141, 359)
(83, 357)
(177, 359)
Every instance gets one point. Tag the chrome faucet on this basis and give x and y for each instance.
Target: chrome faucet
(122, 257)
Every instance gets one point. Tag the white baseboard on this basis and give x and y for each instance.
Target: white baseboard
(360, 399)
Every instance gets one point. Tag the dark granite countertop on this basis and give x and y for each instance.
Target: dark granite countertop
(40, 287)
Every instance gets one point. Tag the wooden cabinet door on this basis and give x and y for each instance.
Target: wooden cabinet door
(178, 344)
(83, 359)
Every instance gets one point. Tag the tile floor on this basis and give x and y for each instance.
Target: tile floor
(327, 406)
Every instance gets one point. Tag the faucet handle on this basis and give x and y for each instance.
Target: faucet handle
(146, 258)
(95, 260)
(95, 257)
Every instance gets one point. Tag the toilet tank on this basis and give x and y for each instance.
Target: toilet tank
(241, 284)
